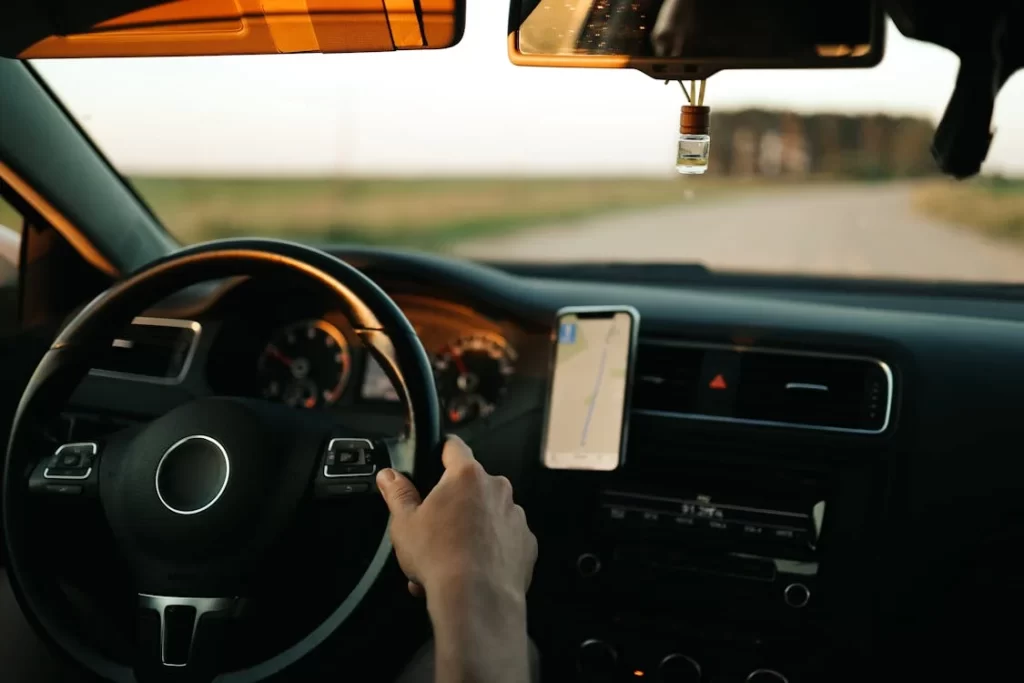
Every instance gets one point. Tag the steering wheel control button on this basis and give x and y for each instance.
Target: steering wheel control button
(347, 488)
(349, 467)
(72, 461)
(349, 458)
(796, 595)
(64, 488)
(678, 668)
(192, 475)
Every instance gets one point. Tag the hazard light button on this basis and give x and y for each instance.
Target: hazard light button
(719, 380)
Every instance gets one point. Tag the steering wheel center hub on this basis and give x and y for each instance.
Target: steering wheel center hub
(206, 483)
(193, 474)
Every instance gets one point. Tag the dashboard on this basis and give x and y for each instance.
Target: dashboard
(849, 536)
(305, 355)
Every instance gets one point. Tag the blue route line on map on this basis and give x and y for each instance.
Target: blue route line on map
(597, 387)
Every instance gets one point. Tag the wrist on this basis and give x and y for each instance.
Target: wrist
(479, 631)
(474, 600)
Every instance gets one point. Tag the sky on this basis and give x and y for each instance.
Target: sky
(461, 110)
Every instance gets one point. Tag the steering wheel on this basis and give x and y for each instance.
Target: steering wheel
(194, 497)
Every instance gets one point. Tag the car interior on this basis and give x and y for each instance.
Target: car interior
(821, 479)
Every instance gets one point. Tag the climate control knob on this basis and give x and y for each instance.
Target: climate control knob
(766, 676)
(796, 595)
(678, 668)
(588, 565)
(596, 661)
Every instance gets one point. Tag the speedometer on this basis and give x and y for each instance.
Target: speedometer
(305, 365)
(472, 374)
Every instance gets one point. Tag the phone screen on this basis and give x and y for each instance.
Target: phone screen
(586, 417)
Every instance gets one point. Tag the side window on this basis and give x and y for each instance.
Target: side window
(10, 247)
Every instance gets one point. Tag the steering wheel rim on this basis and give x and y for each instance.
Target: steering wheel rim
(376, 319)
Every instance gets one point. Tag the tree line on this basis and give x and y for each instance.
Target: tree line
(759, 142)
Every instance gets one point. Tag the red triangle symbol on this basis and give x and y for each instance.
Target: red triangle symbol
(718, 383)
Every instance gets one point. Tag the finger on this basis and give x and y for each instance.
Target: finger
(456, 453)
(399, 493)
(659, 42)
(677, 49)
(416, 589)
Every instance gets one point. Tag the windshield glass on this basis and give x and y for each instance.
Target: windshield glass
(811, 172)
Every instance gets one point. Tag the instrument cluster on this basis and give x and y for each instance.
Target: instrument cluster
(316, 363)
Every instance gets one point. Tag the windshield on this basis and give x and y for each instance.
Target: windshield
(811, 172)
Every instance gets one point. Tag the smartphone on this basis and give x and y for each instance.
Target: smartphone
(587, 414)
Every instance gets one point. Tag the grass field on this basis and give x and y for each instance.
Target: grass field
(994, 206)
(433, 213)
(418, 213)
(8, 216)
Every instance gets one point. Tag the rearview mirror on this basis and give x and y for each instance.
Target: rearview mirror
(693, 39)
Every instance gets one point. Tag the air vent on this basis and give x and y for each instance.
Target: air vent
(666, 378)
(815, 391)
(152, 350)
(821, 391)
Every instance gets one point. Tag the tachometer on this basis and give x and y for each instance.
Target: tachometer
(472, 374)
(305, 365)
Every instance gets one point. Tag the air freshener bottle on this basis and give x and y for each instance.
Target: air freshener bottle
(694, 140)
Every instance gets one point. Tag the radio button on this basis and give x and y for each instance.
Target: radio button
(649, 517)
(678, 668)
(682, 521)
(588, 565)
(596, 660)
(616, 513)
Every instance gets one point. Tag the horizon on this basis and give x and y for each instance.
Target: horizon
(493, 174)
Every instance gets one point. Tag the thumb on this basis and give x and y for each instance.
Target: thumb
(399, 493)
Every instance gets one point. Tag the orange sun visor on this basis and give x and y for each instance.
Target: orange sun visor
(236, 27)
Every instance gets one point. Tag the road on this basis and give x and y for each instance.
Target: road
(852, 230)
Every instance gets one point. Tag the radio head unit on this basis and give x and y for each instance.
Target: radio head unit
(791, 529)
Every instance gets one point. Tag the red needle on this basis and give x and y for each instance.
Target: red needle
(459, 363)
(276, 353)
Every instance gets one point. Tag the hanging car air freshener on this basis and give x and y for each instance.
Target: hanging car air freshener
(694, 148)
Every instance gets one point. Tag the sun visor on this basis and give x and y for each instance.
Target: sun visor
(235, 27)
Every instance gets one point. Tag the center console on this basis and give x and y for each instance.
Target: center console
(733, 543)
(720, 569)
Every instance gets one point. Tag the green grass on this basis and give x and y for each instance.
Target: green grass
(406, 212)
(991, 205)
(9, 217)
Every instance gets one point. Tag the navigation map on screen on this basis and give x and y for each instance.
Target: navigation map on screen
(586, 409)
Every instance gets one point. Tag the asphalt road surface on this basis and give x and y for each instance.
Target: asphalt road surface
(852, 230)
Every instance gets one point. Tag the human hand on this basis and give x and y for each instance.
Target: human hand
(674, 27)
(468, 530)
